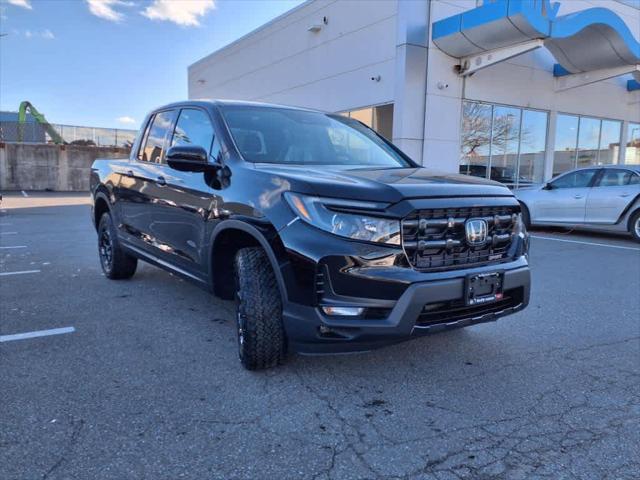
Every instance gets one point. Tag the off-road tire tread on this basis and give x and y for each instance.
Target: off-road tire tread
(261, 306)
(124, 265)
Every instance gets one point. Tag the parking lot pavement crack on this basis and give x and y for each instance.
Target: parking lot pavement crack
(66, 449)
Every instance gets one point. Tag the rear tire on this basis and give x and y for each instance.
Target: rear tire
(634, 226)
(261, 336)
(115, 262)
(526, 217)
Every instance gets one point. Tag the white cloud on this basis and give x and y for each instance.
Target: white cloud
(126, 120)
(21, 3)
(184, 12)
(107, 9)
(45, 34)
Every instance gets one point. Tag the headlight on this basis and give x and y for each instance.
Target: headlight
(317, 212)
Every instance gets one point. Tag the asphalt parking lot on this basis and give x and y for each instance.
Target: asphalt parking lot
(144, 381)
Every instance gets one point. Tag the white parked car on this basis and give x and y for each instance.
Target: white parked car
(604, 198)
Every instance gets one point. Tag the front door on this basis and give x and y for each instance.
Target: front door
(185, 200)
(566, 198)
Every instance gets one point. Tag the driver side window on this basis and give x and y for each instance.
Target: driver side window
(193, 128)
(579, 179)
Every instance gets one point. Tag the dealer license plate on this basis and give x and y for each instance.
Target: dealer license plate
(483, 288)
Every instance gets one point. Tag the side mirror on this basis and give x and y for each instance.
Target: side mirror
(548, 186)
(188, 158)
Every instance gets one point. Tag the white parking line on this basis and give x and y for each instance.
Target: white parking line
(24, 194)
(12, 247)
(3, 274)
(585, 243)
(8, 233)
(37, 333)
(5, 224)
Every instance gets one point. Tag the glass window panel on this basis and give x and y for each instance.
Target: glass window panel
(632, 154)
(476, 139)
(609, 142)
(615, 178)
(155, 140)
(588, 141)
(383, 120)
(365, 116)
(565, 147)
(504, 144)
(579, 179)
(533, 141)
(193, 128)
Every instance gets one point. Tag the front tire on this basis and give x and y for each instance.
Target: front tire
(115, 262)
(261, 336)
(634, 226)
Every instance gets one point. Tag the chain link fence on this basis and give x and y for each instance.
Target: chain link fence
(32, 132)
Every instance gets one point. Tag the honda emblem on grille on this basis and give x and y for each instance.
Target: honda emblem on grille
(476, 230)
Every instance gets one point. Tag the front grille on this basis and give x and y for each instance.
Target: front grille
(435, 239)
(456, 310)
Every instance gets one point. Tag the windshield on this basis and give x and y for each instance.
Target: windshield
(297, 137)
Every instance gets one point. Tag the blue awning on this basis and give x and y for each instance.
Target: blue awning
(588, 40)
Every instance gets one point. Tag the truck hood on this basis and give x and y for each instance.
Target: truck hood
(382, 184)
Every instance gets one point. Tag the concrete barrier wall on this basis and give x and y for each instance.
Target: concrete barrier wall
(63, 168)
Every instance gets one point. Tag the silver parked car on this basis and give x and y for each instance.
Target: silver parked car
(605, 197)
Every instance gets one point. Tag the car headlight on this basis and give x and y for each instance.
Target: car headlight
(319, 213)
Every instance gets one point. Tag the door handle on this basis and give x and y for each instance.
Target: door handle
(578, 196)
(161, 181)
(625, 195)
(129, 173)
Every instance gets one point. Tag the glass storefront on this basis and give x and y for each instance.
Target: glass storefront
(503, 143)
(585, 141)
(632, 154)
(379, 118)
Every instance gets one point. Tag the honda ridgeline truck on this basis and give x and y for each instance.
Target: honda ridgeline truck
(329, 238)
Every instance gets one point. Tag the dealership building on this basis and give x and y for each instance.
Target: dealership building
(514, 90)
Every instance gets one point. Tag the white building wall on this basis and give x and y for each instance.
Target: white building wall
(284, 62)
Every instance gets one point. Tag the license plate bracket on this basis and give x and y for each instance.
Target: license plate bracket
(483, 288)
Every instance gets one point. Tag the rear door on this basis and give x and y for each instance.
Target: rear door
(611, 194)
(566, 200)
(139, 184)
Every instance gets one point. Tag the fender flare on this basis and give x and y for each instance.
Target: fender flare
(101, 193)
(260, 238)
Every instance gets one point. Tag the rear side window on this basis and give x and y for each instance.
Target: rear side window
(616, 178)
(579, 179)
(193, 128)
(154, 144)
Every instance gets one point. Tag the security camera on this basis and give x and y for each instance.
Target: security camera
(442, 85)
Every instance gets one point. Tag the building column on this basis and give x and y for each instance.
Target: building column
(550, 146)
(624, 139)
(410, 77)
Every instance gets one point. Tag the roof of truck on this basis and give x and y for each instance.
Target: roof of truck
(222, 103)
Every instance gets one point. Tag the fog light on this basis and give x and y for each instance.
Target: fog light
(343, 311)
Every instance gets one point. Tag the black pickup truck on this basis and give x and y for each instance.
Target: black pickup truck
(328, 236)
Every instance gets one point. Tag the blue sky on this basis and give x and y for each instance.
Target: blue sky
(107, 62)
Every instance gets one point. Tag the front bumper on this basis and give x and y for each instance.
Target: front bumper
(320, 269)
(312, 332)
